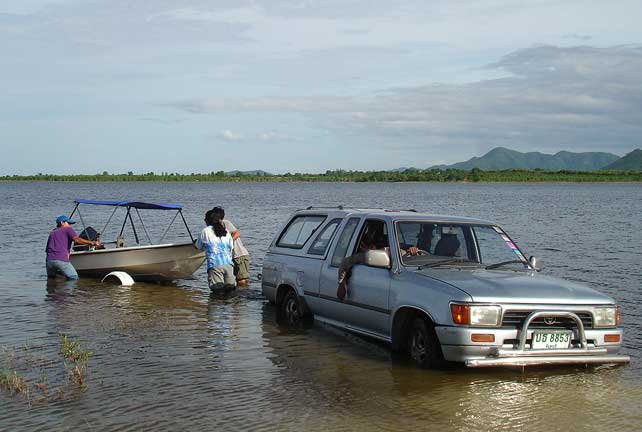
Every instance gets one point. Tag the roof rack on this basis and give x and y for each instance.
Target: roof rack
(340, 207)
(399, 210)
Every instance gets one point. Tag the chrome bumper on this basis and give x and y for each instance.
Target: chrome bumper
(523, 355)
(534, 360)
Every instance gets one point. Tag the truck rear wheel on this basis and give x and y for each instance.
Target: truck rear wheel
(291, 309)
(423, 346)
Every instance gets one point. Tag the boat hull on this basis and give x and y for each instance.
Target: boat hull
(143, 263)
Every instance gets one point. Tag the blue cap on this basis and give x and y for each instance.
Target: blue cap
(61, 219)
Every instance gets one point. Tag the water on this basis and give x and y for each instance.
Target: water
(169, 357)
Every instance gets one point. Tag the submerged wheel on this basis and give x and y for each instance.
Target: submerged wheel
(423, 346)
(291, 309)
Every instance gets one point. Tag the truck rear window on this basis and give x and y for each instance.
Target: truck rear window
(299, 230)
(323, 239)
(343, 242)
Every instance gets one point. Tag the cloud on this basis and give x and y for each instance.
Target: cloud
(577, 36)
(550, 97)
(100, 27)
(162, 121)
(229, 135)
(267, 136)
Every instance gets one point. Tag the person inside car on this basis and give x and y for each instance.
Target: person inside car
(373, 238)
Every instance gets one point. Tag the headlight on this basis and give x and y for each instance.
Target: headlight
(607, 317)
(476, 315)
(485, 315)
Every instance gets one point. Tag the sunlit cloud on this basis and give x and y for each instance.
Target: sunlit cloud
(229, 135)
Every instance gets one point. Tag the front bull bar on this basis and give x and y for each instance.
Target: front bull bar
(521, 356)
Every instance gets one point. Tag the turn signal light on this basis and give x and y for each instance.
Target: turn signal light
(460, 313)
(477, 337)
(618, 318)
(612, 338)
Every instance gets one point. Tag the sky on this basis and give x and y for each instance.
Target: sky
(308, 86)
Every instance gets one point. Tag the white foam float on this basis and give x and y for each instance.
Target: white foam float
(124, 278)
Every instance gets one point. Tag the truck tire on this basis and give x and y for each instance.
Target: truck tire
(291, 309)
(423, 346)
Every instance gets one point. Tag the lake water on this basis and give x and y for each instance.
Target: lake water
(169, 357)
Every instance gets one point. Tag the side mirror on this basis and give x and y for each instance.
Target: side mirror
(377, 258)
(536, 263)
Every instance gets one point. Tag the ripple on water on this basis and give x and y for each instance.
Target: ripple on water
(169, 356)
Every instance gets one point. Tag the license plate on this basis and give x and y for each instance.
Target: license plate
(551, 339)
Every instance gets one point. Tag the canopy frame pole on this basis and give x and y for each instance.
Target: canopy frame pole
(186, 226)
(144, 227)
(131, 221)
(168, 227)
(74, 211)
(122, 229)
(81, 220)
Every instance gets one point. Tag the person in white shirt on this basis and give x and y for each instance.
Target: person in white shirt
(241, 256)
(218, 245)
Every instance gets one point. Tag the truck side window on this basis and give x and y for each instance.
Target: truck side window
(321, 242)
(344, 240)
(374, 235)
(299, 231)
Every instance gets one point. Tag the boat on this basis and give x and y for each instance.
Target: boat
(143, 262)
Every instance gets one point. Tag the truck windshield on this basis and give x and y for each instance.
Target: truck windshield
(430, 244)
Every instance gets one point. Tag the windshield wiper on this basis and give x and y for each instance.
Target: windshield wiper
(446, 261)
(503, 263)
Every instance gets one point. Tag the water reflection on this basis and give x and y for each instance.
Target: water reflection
(59, 290)
(348, 376)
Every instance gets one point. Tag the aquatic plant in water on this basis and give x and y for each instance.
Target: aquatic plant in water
(27, 372)
(73, 351)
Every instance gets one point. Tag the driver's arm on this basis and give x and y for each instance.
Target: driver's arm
(412, 250)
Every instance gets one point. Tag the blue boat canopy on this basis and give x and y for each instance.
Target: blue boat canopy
(133, 204)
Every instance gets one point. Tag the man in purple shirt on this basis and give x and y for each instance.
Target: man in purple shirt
(58, 245)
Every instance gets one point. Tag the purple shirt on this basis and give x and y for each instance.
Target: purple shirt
(59, 243)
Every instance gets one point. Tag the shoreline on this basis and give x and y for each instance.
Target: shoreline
(231, 181)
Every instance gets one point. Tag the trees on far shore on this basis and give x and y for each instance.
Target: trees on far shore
(409, 175)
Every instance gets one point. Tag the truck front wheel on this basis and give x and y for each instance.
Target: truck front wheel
(423, 346)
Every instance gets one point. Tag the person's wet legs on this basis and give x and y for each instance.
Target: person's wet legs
(221, 278)
(56, 267)
(242, 270)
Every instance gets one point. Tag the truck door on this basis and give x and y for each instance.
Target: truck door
(368, 287)
(328, 304)
(366, 306)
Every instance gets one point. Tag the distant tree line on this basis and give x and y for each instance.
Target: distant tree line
(409, 175)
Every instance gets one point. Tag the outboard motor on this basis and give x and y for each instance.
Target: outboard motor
(88, 233)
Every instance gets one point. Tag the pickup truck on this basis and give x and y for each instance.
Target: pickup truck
(441, 288)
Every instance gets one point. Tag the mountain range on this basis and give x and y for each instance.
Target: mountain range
(501, 158)
(629, 162)
(253, 173)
